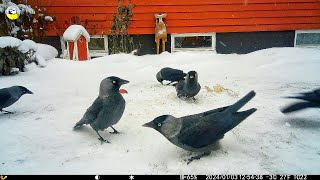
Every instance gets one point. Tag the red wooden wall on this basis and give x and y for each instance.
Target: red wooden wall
(189, 16)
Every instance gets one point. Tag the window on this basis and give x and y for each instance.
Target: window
(307, 38)
(193, 42)
(98, 46)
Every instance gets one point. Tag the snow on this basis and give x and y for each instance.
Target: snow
(73, 32)
(42, 51)
(38, 138)
(48, 18)
(46, 51)
(6, 41)
(26, 9)
(41, 61)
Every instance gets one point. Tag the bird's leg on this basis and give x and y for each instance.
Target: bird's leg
(194, 99)
(7, 112)
(114, 131)
(198, 157)
(101, 138)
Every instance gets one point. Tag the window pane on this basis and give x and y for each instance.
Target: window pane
(193, 42)
(308, 39)
(96, 44)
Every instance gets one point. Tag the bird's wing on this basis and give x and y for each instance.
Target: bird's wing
(299, 106)
(108, 107)
(199, 132)
(4, 97)
(92, 112)
(207, 112)
(172, 74)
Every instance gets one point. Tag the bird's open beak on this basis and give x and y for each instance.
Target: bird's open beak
(149, 124)
(123, 91)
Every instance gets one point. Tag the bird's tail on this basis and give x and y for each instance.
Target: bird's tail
(236, 106)
(238, 117)
(298, 106)
(79, 124)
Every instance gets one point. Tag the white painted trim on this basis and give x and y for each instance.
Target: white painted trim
(68, 52)
(305, 31)
(212, 48)
(104, 52)
(75, 52)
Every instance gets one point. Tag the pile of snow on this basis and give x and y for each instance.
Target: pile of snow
(46, 51)
(8, 41)
(73, 32)
(267, 142)
(43, 52)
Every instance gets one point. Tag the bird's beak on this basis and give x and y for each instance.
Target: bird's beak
(123, 82)
(29, 92)
(149, 124)
(123, 91)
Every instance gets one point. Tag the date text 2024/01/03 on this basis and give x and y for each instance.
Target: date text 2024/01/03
(245, 177)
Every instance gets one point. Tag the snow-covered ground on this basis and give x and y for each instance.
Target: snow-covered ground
(38, 138)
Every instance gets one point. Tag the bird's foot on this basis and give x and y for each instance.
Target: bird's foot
(115, 132)
(197, 157)
(6, 112)
(103, 140)
(194, 99)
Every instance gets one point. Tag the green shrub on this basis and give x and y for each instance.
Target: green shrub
(11, 57)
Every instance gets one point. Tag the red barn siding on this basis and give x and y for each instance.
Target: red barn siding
(71, 48)
(190, 16)
(82, 48)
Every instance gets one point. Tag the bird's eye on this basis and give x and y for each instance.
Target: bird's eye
(159, 124)
(114, 82)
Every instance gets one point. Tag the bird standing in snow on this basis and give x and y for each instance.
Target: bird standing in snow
(10, 95)
(201, 132)
(310, 100)
(108, 107)
(189, 87)
(170, 74)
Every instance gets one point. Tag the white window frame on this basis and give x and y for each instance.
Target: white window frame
(305, 31)
(92, 53)
(212, 48)
(99, 53)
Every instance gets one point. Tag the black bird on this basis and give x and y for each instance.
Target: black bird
(310, 100)
(170, 74)
(10, 95)
(108, 107)
(189, 87)
(201, 132)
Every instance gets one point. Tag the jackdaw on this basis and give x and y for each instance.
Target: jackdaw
(310, 100)
(10, 95)
(189, 87)
(170, 74)
(108, 107)
(201, 132)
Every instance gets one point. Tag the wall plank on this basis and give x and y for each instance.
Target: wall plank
(189, 16)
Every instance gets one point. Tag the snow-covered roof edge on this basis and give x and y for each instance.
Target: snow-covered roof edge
(73, 32)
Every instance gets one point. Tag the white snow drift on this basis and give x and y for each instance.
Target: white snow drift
(38, 138)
